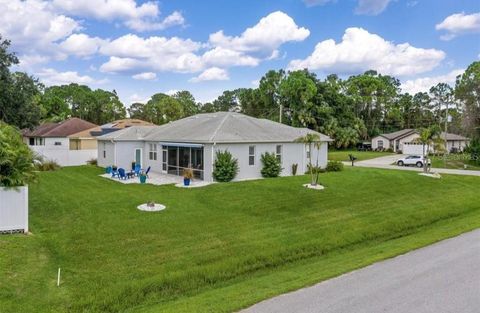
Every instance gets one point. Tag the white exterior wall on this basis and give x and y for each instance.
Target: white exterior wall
(62, 153)
(386, 142)
(291, 153)
(415, 148)
(156, 165)
(459, 144)
(124, 153)
(109, 158)
(14, 209)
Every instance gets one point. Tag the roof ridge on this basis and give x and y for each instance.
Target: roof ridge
(219, 126)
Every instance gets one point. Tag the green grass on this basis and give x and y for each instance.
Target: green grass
(343, 155)
(454, 161)
(218, 248)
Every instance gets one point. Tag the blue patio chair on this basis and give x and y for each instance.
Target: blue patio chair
(108, 170)
(114, 173)
(121, 174)
(138, 168)
(148, 170)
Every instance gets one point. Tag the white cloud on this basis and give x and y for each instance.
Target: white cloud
(423, 84)
(311, 3)
(34, 27)
(213, 73)
(81, 45)
(138, 17)
(50, 77)
(458, 24)
(225, 57)
(267, 35)
(360, 50)
(137, 98)
(371, 7)
(145, 76)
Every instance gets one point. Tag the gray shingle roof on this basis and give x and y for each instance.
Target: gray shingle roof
(453, 136)
(399, 134)
(219, 127)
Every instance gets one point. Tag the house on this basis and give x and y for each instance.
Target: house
(192, 142)
(395, 140)
(119, 124)
(405, 141)
(67, 143)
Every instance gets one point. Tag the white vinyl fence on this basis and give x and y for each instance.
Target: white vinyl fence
(14, 209)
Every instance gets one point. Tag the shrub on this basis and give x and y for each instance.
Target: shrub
(474, 149)
(225, 167)
(45, 166)
(16, 159)
(315, 169)
(92, 162)
(294, 169)
(271, 165)
(334, 166)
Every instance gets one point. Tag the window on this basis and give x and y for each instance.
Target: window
(152, 155)
(38, 141)
(307, 147)
(57, 143)
(279, 153)
(32, 141)
(251, 155)
(380, 144)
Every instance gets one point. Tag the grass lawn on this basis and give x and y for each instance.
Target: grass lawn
(217, 248)
(342, 155)
(454, 161)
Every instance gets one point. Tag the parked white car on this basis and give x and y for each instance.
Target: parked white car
(416, 160)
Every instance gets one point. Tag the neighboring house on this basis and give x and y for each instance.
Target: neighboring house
(118, 125)
(405, 141)
(395, 140)
(67, 143)
(192, 142)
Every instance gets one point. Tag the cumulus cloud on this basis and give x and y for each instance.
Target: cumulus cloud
(423, 84)
(51, 76)
(145, 76)
(138, 17)
(371, 7)
(459, 24)
(360, 50)
(81, 45)
(34, 27)
(213, 73)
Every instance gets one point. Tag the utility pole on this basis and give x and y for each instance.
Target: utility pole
(445, 135)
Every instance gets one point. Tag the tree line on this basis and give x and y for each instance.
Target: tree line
(349, 110)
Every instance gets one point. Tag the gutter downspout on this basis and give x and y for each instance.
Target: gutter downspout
(211, 174)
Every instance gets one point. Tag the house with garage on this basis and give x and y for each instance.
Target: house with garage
(405, 141)
(192, 142)
(68, 143)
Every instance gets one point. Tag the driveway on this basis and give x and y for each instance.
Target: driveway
(385, 162)
(441, 278)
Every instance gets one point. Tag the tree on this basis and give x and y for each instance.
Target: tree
(162, 108)
(187, 100)
(441, 95)
(428, 137)
(310, 140)
(467, 91)
(19, 92)
(16, 159)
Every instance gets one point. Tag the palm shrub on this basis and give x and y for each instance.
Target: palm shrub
(16, 159)
(334, 166)
(225, 167)
(271, 165)
(474, 150)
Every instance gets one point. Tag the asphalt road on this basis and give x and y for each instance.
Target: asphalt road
(441, 278)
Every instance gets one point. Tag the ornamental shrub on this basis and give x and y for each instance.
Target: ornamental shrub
(16, 159)
(225, 167)
(271, 165)
(334, 166)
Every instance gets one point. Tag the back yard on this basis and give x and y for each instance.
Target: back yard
(217, 248)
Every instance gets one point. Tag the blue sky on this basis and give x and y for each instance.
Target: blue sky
(140, 48)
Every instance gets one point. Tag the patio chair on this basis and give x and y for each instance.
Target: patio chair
(148, 170)
(114, 173)
(137, 169)
(121, 174)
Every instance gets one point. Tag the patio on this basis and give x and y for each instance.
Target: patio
(159, 179)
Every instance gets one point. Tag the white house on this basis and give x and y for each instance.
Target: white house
(67, 143)
(405, 141)
(192, 142)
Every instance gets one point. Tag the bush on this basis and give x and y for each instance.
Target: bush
(16, 159)
(271, 165)
(45, 166)
(294, 169)
(92, 162)
(474, 150)
(316, 169)
(334, 166)
(225, 167)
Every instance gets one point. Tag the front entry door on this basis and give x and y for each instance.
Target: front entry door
(138, 156)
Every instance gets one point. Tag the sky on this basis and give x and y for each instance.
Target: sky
(140, 48)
